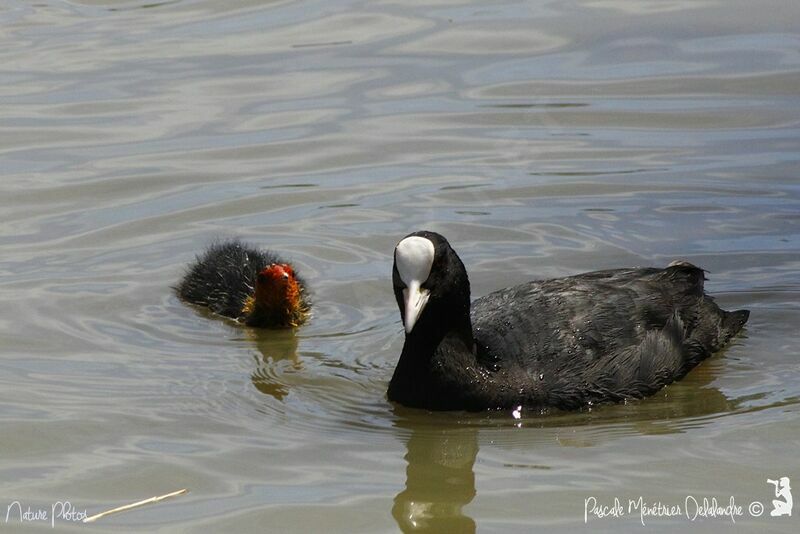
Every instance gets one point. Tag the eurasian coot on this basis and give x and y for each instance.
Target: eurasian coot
(252, 286)
(565, 343)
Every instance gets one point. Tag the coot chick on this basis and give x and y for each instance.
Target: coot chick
(565, 343)
(254, 287)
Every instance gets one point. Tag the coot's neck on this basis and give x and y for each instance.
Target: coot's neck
(421, 344)
(437, 356)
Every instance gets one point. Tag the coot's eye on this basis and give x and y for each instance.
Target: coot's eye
(396, 280)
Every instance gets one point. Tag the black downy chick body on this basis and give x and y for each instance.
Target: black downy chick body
(564, 343)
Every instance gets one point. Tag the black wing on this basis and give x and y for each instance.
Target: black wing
(600, 336)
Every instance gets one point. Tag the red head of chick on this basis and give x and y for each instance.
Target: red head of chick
(277, 300)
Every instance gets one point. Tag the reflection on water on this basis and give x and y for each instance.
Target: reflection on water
(274, 346)
(439, 479)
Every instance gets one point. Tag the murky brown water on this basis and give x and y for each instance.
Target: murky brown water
(543, 138)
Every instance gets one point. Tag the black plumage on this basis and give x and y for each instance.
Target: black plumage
(224, 277)
(602, 336)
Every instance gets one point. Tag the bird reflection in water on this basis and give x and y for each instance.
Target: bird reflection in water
(274, 346)
(439, 479)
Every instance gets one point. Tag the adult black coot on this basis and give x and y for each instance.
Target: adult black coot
(565, 343)
(254, 287)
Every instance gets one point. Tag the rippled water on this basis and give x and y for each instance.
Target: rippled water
(543, 138)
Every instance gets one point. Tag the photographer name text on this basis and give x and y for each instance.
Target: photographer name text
(692, 508)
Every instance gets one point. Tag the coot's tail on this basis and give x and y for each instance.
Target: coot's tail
(732, 322)
(716, 326)
(712, 329)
